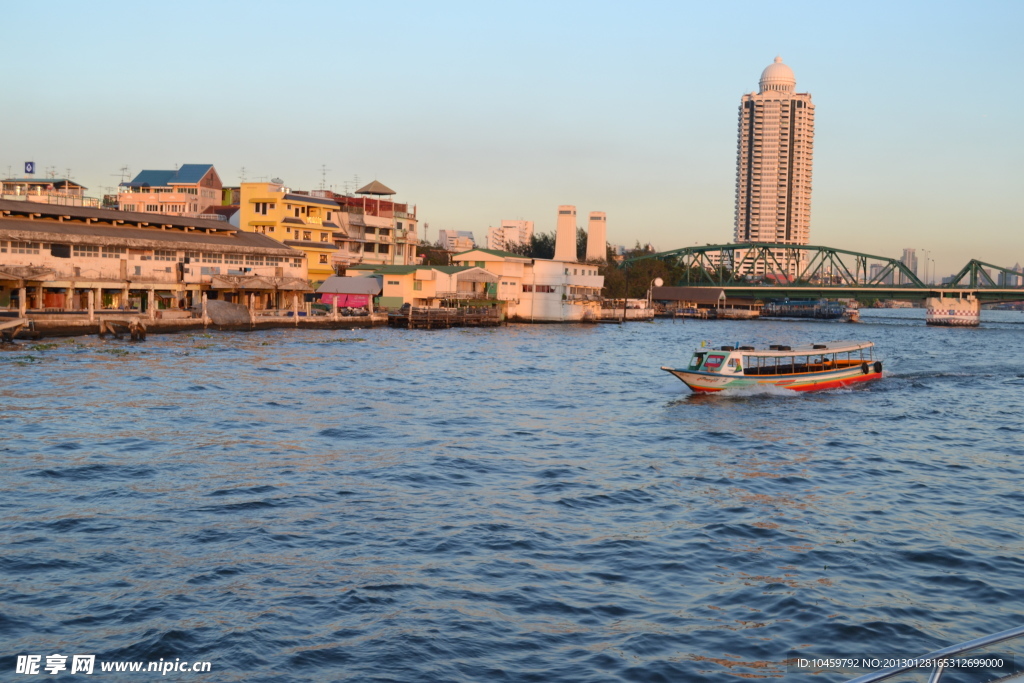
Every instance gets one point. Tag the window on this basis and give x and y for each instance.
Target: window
(3, 247)
(164, 255)
(371, 231)
(328, 215)
(296, 212)
(113, 252)
(152, 208)
(323, 237)
(297, 262)
(85, 250)
(417, 285)
(368, 248)
(713, 362)
(544, 289)
(307, 235)
(263, 208)
(383, 248)
(270, 228)
(353, 246)
(212, 258)
(274, 260)
(192, 256)
(323, 258)
(527, 288)
(236, 259)
(393, 282)
(253, 260)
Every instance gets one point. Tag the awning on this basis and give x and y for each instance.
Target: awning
(260, 282)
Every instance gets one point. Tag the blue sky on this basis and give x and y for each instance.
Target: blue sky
(482, 111)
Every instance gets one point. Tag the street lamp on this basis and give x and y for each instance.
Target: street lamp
(656, 282)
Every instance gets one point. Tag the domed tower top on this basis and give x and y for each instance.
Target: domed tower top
(777, 77)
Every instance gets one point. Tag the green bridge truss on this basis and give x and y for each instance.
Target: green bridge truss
(760, 263)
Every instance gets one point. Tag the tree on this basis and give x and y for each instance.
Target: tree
(433, 255)
(542, 245)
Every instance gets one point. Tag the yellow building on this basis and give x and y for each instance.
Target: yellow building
(304, 221)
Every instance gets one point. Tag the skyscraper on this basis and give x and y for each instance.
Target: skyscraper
(773, 161)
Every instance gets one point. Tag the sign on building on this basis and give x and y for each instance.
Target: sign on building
(30, 168)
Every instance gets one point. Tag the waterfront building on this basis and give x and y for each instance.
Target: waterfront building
(541, 290)
(434, 286)
(306, 222)
(53, 257)
(597, 237)
(773, 165)
(456, 240)
(59, 191)
(187, 191)
(375, 229)
(351, 292)
(509, 233)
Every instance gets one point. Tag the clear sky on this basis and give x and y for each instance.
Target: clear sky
(481, 111)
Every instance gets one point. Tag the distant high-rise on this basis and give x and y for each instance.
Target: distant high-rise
(773, 161)
(509, 234)
(910, 261)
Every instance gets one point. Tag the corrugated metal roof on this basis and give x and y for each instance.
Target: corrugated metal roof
(44, 181)
(109, 215)
(697, 295)
(47, 230)
(350, 285)
(191, 173)
(325, 246)
(494, 252)
(188, 174)
(311, 200)
(150, 179)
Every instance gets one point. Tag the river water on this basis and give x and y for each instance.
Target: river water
(530, 503)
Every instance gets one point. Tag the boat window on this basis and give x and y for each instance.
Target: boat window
(714, 362)
(696, 360)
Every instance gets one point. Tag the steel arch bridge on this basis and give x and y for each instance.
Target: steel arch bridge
(747, 263)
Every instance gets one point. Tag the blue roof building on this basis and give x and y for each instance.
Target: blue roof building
(191, 190)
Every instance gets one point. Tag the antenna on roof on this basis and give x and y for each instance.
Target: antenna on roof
(123, 173)
(241, 174)
(323, 176)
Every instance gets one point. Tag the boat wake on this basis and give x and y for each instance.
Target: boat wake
(753, 391)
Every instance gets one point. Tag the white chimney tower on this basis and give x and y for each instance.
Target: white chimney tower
(597, 237)
(565, 234)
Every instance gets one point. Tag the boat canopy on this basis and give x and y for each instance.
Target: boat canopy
(776, 350)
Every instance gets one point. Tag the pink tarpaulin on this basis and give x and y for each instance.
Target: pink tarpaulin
(350, 300)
